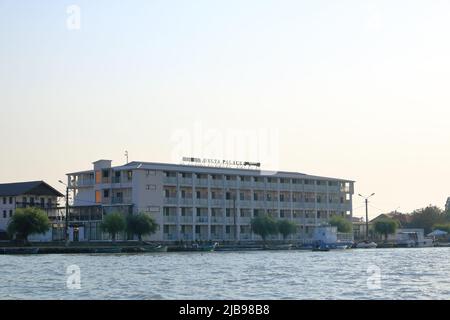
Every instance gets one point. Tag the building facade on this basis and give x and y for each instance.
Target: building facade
(197, 203)
(27, 194)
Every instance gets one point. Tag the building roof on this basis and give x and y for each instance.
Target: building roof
(213, 170)
(31, 187)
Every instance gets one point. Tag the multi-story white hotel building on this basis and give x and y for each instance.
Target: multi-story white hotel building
(192, 203)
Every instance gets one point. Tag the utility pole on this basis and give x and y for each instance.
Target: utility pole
(66, 223)
(234, 213)
(66, 229)
(367, 213)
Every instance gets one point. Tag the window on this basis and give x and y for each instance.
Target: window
(166, 228)
(10, 200)
(105, 173)
(4, 200)
(10, 213)
(4, 214)
(129, 175)
(197, 229)
(151, 187)
(42, 202)
(228, 229)
(31, 201)
(153, 209)
(105, 193)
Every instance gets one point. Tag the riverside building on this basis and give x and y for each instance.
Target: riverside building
(204, 203)
(29, 194)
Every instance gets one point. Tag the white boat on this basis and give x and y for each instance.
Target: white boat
(366, 245)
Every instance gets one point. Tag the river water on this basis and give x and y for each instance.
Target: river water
(416, 273)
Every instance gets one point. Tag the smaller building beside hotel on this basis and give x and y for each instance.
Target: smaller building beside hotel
(27, 194)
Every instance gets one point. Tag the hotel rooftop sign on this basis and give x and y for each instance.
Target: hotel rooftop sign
(221, 163)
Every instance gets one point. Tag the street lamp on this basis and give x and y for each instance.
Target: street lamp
(367, 212)
(66, 224)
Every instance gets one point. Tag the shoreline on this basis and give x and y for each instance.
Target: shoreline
(99, 248)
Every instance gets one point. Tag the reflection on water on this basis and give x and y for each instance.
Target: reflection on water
(350, 274)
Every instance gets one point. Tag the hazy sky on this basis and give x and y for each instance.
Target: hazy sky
(350, 89)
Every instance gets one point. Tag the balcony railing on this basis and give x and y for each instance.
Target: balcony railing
(217, 220)
(217, 202)
(186, 219)
(229, 220)
(116, 180)
(186, 201)
(201, 182)
(246, 184)
(272, 186)
(201, 219)
(170, 180)
(82, 183)
(245, 220)
(201, 202)
(259, 204)
(217, 183)
(245, 203)
(121, 200)
(36, 205)
(186, 181)
(172, 200)
(285, 204)
(259, 185)
(170, 219)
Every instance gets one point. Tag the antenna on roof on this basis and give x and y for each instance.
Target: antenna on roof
(126, 155)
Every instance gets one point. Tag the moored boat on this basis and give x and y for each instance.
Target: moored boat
(321, 248)
(153, 249)
(107, 250)
(366, 245)
(19, 250)
(278, 247)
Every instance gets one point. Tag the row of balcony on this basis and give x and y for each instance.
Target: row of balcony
(203, 236)
(252, 185)
(229, 220)
(256, 204)
(229, 236)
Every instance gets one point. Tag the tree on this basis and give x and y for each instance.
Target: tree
(286, 228)
(264, 226)
(342, 224)
(27, 221)
(113, 223)
(426, 218)
(141, 224)
(386, 227)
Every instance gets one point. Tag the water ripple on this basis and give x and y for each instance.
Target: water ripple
(404, 274)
